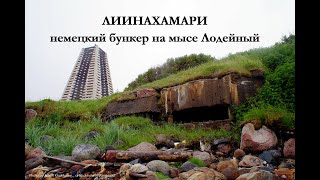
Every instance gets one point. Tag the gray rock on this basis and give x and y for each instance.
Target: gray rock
(220, 141)
(160, 166)
(26, 139)
(250, 161)
(187, 166)
(138, 168)
(269, 169)
(202, 173)
(270, 156)
(163, 148)
(85, 151)
(90, 135)
(45, 138)
(29, 114)
(144, 146)
(204, 156)
(164, 141)
(136, 161)
(32, 163)
(65, 164)
(287, 163)
(125, 167)
(109, 148)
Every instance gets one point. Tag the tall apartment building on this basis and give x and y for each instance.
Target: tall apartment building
(90, 78)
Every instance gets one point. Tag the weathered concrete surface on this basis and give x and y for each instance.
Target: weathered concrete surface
(137, 106)
(199, 93)
(194, 101)
(230, 89)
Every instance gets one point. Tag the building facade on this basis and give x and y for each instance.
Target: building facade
(90, 78)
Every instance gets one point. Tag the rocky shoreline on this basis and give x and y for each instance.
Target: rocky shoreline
(260, 155)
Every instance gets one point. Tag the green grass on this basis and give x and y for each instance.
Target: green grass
(241, 64)
(133, 122)
(270, 116)
(197, 162)
(162, 176)
(66, 135)
(71, 110)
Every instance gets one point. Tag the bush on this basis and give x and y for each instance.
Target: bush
(271, 116)
(172, 66)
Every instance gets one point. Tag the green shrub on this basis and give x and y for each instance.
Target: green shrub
(270, 116)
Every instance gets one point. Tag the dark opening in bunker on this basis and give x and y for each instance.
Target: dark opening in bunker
(199, 114)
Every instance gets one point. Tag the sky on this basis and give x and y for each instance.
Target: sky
(48, 65)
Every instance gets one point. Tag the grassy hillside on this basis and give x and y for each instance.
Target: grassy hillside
(273, 105)
(241, 64)
(171, 66)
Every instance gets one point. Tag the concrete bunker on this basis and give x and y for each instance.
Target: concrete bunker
(200, 114)
(203, 102)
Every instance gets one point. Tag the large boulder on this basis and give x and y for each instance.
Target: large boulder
(204, 156)
(85, 151)
(257, 140)
(160, 166)
(250, 161)
(29, 114)
(144, 146)
(258, 175)
(289, 149)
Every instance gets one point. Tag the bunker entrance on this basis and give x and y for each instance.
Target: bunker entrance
(200, 114)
